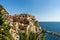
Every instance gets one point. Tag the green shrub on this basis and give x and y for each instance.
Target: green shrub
(31, 36)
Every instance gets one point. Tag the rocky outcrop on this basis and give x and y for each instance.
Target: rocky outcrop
(20, 23)
(52, 33)
(24, 22)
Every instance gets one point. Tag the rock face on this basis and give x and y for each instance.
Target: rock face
(22, 23)
(27, 22)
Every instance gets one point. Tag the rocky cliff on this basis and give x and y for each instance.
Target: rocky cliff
(19, 27)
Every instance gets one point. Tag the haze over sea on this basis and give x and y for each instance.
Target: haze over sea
(51, 26)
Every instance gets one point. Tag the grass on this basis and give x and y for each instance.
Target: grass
(31, 36)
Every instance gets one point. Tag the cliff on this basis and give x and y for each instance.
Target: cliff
(19, 27)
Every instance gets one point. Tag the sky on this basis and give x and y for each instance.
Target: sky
(43, 10)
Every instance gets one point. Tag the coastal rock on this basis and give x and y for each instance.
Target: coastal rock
(24, 22)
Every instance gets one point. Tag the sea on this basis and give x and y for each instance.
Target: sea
(51, 26)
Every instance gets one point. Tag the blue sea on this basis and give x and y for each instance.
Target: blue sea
(51, 26)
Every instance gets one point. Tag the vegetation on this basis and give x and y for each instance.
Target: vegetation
(31, 36)
(5, 34)
(4, 27)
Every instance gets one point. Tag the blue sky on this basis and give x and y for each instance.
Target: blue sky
(43, 10)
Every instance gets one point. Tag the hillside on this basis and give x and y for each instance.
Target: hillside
(19, 27)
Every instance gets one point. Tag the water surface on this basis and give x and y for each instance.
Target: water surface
(51, 26)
